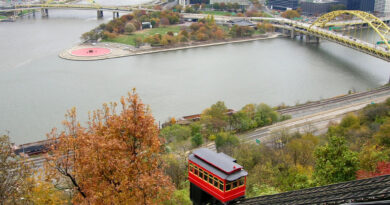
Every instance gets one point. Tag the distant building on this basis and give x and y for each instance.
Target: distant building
(241, 22)
(244, 3)
(353, 4)
(283, 4)
(317, 7)
(310, 7)
(186, 120)
(367, 5)
(382, 7)
(184, 2)
(362, 5)
(196, 2)
(146, 25)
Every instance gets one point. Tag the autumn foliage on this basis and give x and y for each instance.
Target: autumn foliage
(383, 168)
(14, 174)
(118, 26)
(290, 14)
(116, 159)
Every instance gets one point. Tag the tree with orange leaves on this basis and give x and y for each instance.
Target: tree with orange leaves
(115, 160)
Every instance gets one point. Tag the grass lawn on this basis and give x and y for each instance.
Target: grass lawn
(130, 39)
(257, 32)
(267, 15)
(218, 13)
(2, 17)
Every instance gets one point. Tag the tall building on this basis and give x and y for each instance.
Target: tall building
(317, 7)
(353, 4)
(363, 5)
(283, 4)
(382, 7)
(367, 5)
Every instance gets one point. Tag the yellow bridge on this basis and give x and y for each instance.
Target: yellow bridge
(372, 48)
(353, 23)
(339, 27)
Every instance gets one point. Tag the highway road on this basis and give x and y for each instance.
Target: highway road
(315, 118)
(312, 117)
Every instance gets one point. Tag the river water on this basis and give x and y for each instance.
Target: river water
(37, 87)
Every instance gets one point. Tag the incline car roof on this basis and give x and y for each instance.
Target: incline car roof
(221, 161)
(216, 171)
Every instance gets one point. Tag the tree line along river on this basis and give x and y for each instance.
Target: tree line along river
(37, 87)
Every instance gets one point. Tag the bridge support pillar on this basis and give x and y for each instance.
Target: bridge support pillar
(99, 14)
(292, 33)
(33, 13)
(115, 14)
(45, 12)
(312, 39)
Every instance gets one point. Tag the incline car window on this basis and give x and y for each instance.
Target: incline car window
(235, 184)
(228, 186)
(242, 181)
(213, 181)
(191, 168)
(210, 179)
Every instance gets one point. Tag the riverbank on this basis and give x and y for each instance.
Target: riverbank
(6, 19)
(122, 50)
(13, 18)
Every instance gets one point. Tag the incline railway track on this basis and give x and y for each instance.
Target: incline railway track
(372, 189)
(316, 104)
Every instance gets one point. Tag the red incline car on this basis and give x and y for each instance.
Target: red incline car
(215, 178)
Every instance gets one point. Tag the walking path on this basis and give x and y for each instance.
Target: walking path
(122, 50)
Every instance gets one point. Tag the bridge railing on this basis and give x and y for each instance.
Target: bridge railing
(384, 53)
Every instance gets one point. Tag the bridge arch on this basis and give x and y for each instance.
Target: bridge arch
(374, 22)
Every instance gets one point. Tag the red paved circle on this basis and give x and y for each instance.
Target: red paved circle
(96, 51)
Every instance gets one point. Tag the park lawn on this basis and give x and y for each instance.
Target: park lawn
(130, 39)
(2, 17)
(267, 15)
(160, 30)
(258, 32)
(218, 13)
